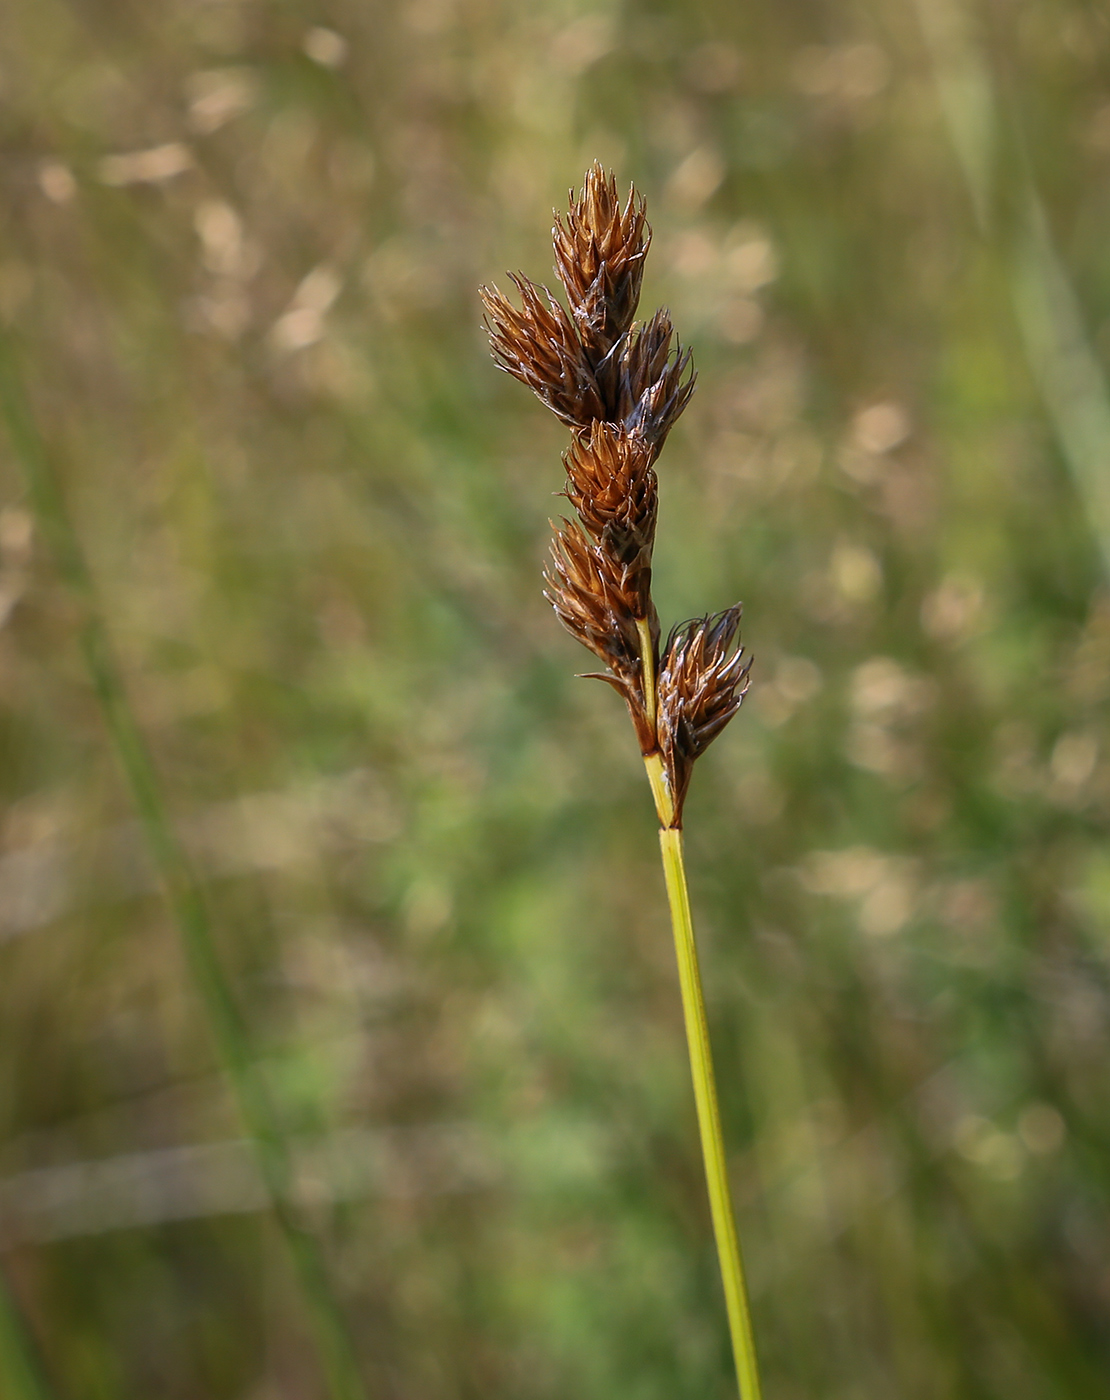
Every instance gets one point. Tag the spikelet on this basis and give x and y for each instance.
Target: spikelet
(703, 679)
(597, 599)
(539, 346)
(599, 258)
(611, 484)
(654, 383)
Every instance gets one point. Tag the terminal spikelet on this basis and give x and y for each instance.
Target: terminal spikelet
(599, 258)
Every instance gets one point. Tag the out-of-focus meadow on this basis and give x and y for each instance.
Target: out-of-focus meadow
(239, 247)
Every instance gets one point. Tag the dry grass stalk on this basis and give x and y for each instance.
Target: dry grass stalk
(620, 386)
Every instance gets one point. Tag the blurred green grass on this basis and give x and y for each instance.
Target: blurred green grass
(239, 250)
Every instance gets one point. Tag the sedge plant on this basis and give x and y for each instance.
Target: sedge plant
(619, 385)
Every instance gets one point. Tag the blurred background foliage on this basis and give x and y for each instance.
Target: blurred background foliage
(239, 247)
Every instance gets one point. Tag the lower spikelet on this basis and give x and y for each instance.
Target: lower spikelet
(703, 678)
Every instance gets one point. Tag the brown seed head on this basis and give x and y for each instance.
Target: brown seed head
(620, 387)
(598, 600)
(611, 484)
(703, 679)
(539, 346)
(653, 384)
(599, 258)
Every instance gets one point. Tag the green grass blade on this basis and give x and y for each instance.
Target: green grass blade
(21, 1373)
(183, 895)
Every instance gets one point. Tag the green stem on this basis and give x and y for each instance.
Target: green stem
(21, 1372)
(647, 668)
(660, 789)
(184, 898)
(709, 1117)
